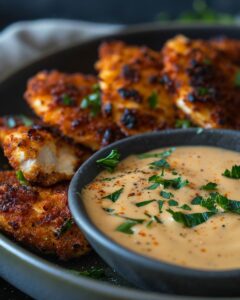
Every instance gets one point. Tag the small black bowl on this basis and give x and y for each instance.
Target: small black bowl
(144, 272)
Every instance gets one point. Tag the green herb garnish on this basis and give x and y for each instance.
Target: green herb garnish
(111, 161)
(191, 220)
(163, 154)
(185, 207)
(67, 100)
(126, 227)
(108, 210)
(114, 196)
(226, 204)
(172, 202)
(143, 203)
(65, 227)
(21, 178)
(202, 91)
(162, 163)
(234, 173)
(183, 124)
(152, 100)
(175, 183)
(93, 101)
(197, 200)
(94, 272)
(166, 195)
(237, 79)
(160, 205)
(210, 186)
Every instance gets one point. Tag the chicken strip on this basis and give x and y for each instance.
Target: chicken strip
(134, 88)
(207, 83)
(39, 218)
(42, 157)
(71, 103)
(228, 47)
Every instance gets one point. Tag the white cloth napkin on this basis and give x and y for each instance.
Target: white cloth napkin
(24, 42)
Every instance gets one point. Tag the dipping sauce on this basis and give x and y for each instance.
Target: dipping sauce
(180, 205)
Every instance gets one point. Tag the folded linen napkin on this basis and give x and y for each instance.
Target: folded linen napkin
(24, 42)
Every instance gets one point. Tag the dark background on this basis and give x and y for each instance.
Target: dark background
(115, 11)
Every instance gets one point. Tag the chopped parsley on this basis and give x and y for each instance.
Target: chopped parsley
(65, 227)
(66, 100)
(172, 202)
(202, 91)
(163, 154)
(226, 204)
(185, 207)
(160, 164)
(210, 186)
(183, 123)
(93, 101)
(152, 100)
(94, 272)
(234, 173)
(166, 195)
(110, 161)
(197, 200)
(126, 227)
(191, 220)
(175, 183)
(143, 203)
(108, 210)
(21, 178)
(237, 79)
(114, 196)
(160, 205)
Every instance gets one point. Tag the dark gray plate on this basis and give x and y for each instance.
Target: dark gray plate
(41, 277)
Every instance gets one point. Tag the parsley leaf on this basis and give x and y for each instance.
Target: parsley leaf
(202, 91)
(183, 123)
(126, 227)
(159, 164)
(197, 200)
(65, 227)
(114, 196)
(143, 203)
(21, 178)
(160, 205)
(66, 100)
(93, 101)
(185, 207)
(175, 183)
(166, 195)
(234, 173)
(163, 154)
(152, 100)
(210, 186)
(172, 202)
(237, 79)
(110, 161)
(191, 220)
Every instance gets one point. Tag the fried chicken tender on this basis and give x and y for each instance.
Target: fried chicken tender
(42, 157)
(57, 99)
(206, 82)
(134, 88)
(39, 218)
(228, 47)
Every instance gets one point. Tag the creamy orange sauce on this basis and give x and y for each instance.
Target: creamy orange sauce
(214, 244)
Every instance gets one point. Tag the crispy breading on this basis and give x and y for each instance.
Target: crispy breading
(39, 218)
(206, 83)
(228, 47)
(43, 157)
(57, 97)
(134, 88)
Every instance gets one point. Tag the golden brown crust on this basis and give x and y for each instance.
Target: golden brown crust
(45, 94)
(133, 88)
(204, 81)
(43, 157)
(37, 218)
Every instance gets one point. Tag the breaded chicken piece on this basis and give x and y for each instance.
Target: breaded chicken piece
(134, 88)
(39, 218)
(228, 47)
(69, 103)
(207, 83)
(42, 157)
